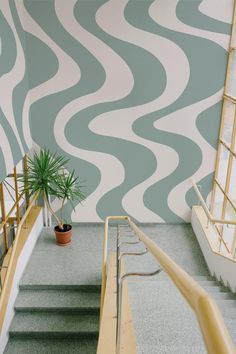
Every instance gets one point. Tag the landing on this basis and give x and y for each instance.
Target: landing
(78, 263)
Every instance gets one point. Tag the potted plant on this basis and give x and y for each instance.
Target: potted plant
(47, 175)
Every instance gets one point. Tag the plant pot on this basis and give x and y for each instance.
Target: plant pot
(63, 237)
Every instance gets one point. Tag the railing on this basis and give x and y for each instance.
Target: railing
(12, 218)
(214, 331)
(17, 198)
(214, 222)
(104, 259)
(10, 268)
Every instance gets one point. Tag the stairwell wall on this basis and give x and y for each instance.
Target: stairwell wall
(131, 92)
(15, 136)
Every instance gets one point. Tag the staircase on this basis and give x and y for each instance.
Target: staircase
(57, 309)
(53, 319)
(163, 321)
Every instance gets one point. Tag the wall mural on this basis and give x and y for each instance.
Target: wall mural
(15, 136)
(129, 90)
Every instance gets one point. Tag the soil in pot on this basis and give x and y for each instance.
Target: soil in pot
(63, 237)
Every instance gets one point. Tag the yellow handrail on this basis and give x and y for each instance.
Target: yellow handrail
(211, 219)
(3, 297)
(216, 337)
(207, 211)
(104, 259)
(11, 210)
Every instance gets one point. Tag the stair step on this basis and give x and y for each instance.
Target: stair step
(171, 349)
(209, 283)
(66, 310)
(228, 312)
(54, 325)
(231, 325)
(225, 303)
(221, 296)
(80, 287)
(203, 277)
(46, 346)
(64, 299)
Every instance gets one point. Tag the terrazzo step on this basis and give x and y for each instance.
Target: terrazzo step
(54, 325)
(60, 287)
(58, 300)
(171, 349)
(205, 282)
(225, 304)
(46, 346)
(218, 295)
(228, 312)
(203, 277)
(231, 325)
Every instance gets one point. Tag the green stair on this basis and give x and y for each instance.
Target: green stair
(53, 319)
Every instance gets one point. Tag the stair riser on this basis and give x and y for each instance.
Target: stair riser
(81, 288)
(53, 335)
(72, 311)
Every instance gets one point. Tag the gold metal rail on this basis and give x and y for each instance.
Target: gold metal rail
(104, 259)
(214, 221)
(207, 211)
(216, 337)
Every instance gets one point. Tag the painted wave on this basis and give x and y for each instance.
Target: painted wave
(122, 90)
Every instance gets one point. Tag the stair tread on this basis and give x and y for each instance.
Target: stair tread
(46, 346)
(67, 299)
(171, 349)
(47, 322)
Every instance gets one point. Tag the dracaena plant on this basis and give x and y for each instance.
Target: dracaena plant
(47, 175)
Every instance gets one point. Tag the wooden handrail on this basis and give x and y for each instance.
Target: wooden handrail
(3, 299)
(104, 258)
(211, 219)
(207, 211)
(216, 337)
(11, 210)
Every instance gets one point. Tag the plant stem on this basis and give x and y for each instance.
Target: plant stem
(62, 207)
(60, 225)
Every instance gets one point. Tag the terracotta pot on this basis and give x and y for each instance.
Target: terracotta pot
(63, 236)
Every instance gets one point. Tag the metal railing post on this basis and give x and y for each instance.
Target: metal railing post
(120, 293)
(25, 170)
(17, 197)
(3, 211)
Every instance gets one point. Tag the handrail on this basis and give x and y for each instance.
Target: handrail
(214, 331)
(207, 211)
(211, 219)
(12, 259)
(11, 210)
(229, 258)
(104, 259)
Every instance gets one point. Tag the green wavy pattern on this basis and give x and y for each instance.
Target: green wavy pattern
(187, 12)
(208, 123)
(150, 79)
(7, 61)
(204, 81)
(20, 91)
(8, 47)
